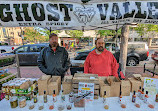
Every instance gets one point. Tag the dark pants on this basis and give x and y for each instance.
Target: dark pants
(75, 69)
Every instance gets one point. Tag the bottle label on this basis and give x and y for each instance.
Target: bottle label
(54, 99)
(142, 97)
(71, 99)
(134, 99)
(139, 93)
(45, 100)
(119, 100)
(35, 100)
(145, 100)
(63, 98)
(13, 91)
(4, 90)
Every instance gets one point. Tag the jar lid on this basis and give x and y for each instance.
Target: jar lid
(4, 84)
(18, 84)
(14, 98)
(11, 84)
(22, 98)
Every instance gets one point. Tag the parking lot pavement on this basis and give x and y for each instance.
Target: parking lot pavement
(28, 71)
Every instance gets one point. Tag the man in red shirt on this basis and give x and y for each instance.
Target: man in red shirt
(100, 61)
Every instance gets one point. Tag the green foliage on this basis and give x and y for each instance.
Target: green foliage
(143, 29)
(104, 33)
(33, 35)
(74, 33)
(46, 32)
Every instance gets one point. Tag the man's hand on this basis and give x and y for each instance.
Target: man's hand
(68, 72)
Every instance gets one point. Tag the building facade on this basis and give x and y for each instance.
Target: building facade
(11, 35)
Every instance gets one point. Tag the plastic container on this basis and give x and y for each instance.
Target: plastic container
(14, 102)
(22, 101)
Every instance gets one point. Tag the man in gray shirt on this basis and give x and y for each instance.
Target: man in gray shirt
(54, 60)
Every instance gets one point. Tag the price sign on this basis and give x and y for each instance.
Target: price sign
(151, 85)
(85, 88)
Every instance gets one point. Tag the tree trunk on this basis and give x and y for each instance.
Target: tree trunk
(149, 42)
(123, 47)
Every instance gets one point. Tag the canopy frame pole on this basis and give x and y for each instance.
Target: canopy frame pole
(123, 47)
(116, 36)
(50, 30)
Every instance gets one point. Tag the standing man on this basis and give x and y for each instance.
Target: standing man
(54, 60)
(100, 61)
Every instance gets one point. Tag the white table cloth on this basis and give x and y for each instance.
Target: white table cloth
(96, 105)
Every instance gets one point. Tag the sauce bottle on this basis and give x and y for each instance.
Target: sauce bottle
(104, 97)
(139, 92)
(134, 97)
(45, 97)
(142, 94)
(146, 97)
(54, 96)
(120, 97)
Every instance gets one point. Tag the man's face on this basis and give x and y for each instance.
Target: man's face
(53, 41)
(100, 45)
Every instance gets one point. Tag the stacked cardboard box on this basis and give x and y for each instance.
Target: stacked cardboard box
(87, 78)
(48, 84)
(111, 85)
(54, 84)
(136, 81)
(43, 84)
(67, 84)
(125, 87)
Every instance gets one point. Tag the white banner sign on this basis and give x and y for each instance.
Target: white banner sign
(68, 16)
(85, 88)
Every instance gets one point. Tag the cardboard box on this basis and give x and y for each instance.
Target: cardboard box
(104, 86)
(135, 84)
(136, 81)
(67, 84)
(54, 84)
(115, 85)
(85, 75)
(43, 84)
(125, 87)
(25, 85)
(87, 78)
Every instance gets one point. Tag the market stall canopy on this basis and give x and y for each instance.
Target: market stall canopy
(75, 15)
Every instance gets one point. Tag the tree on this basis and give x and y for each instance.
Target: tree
(46, 32)
(104, 33)
(74, 33)
(32, 35)
(146, 29)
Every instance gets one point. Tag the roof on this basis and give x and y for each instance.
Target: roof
(63, 34)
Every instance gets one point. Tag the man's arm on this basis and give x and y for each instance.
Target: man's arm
(66, 60)
(41, 62)
(86, 65)
(114, 66)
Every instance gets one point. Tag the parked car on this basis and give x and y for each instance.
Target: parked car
(7, 48)
(28, 54)
(137, 51)
(155, 56)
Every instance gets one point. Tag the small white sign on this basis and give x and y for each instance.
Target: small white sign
(92, 77)
(85, 88)
(151, 85)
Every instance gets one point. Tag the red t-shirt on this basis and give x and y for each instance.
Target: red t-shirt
(54, 50)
